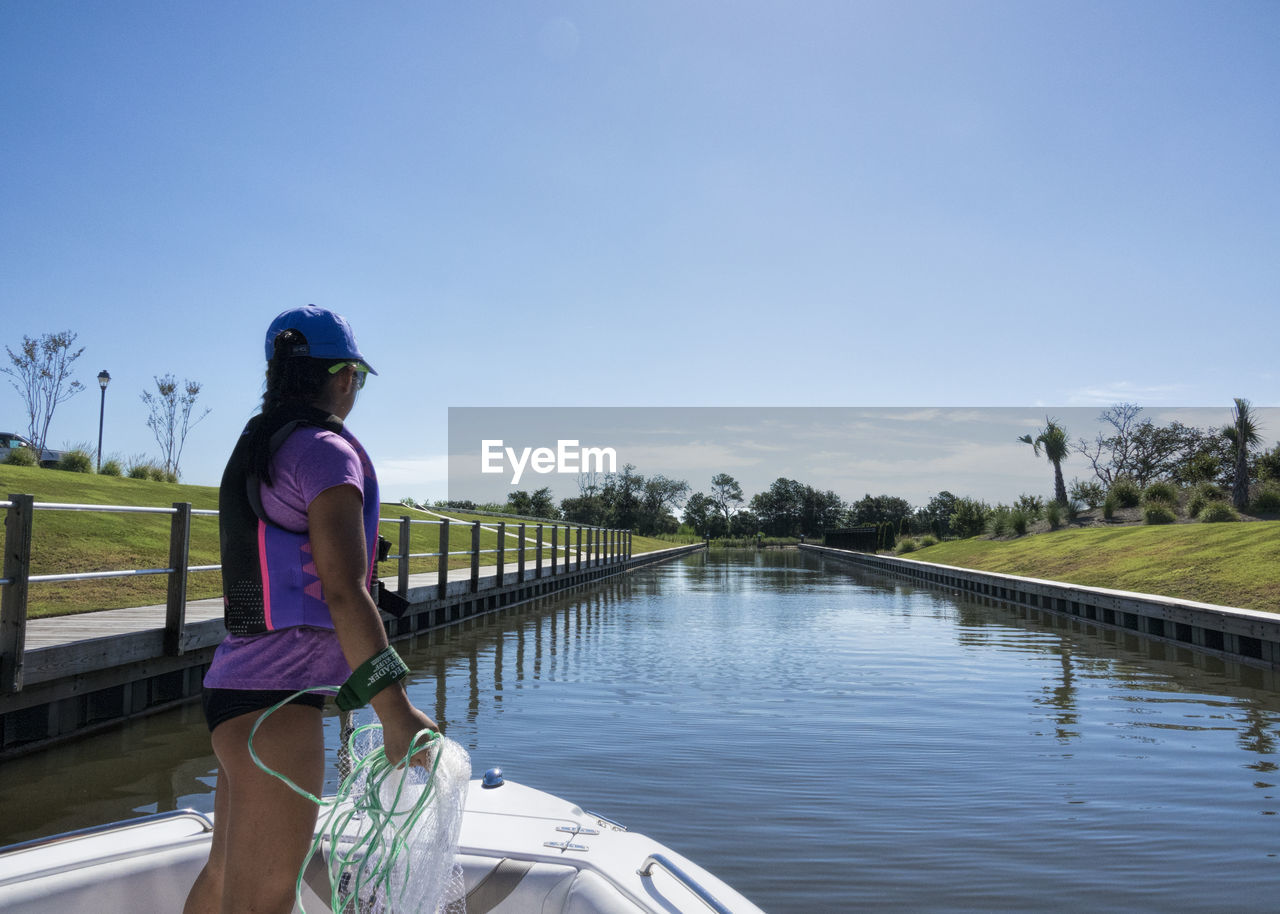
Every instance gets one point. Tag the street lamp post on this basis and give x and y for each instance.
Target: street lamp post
(103, 380)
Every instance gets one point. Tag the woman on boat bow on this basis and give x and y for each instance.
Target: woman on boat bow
(298, 524)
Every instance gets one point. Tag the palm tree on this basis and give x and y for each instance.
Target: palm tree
(1242, 433)
(1056, 448)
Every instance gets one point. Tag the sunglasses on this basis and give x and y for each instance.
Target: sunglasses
(362, 371)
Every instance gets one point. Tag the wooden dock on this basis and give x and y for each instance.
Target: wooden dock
(83, 672)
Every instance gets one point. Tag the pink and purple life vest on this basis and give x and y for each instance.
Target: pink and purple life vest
(269, 578)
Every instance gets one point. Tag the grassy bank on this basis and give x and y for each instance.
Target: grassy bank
(65, 542)
(1230, 564)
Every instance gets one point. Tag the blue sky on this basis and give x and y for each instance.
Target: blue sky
(646, 204)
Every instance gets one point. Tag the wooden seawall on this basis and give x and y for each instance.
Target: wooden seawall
(92, 670)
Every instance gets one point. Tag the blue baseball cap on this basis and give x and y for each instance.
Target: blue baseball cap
(328, 335)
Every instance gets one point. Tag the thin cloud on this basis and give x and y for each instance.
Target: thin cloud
(1125, 392)
(414, 471)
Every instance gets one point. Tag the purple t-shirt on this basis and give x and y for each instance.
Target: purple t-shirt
(309, 462)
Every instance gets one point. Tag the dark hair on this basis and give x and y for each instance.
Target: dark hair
(292, 381)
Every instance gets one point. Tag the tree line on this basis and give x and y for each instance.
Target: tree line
(1131, 451)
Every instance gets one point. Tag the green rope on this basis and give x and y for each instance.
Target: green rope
(372, 858)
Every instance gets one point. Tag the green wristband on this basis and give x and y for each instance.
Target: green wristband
(372, 676)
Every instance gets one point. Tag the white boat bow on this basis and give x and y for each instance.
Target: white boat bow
(521, 850)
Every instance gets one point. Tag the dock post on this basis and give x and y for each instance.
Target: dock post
(402, 563)
(442, 571)
(555, 549)
(578, 566)
(13, 605)
(502, 545)
(475, 556)
(520, 538)
(537, 569)
(175, 617)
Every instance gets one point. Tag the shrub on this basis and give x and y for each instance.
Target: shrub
(1267, 501)
(1109, 505)
(1269, 464)
(138, 467)
(1210, 491)
(906, 544)
(1074, 510)
(928, 540)
(1216, 512)
(1126, 492)
(141, 468)
(111, 467)
(76, 461)
(21, 457)
(969, 517)
(999, 520)
(1203, 494)
(1018, 521)
(1159, 513)
(1030, 505)
(1090, 493)
(1165, 492)
(1053, 514)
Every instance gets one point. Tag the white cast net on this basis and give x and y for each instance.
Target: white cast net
(389, 837)
(392, 837)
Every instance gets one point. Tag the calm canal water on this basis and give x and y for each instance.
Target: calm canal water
(824, 739)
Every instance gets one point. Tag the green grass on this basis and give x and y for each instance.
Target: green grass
(66, 542)
(1229, 564)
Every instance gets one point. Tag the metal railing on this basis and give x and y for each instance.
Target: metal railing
(594, 546)
(662, 860)
(201, 821)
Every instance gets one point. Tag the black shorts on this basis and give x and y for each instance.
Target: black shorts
(221, 705)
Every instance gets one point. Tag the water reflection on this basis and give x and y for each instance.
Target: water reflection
(512, 649)
(158, 763)
(1144, 666)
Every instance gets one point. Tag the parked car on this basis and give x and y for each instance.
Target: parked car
(12, 440)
